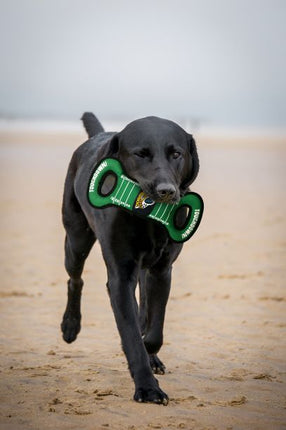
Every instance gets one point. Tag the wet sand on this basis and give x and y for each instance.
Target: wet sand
(225, 326)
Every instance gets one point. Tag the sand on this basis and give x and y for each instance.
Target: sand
(224, 345)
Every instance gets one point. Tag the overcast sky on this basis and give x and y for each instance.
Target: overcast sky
(222, 62)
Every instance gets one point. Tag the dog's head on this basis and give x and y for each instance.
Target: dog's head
(159, 155)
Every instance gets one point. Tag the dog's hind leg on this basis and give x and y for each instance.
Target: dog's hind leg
(78, 243)
(77, 248)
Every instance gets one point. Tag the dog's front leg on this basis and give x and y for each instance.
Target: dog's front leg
(121, 286)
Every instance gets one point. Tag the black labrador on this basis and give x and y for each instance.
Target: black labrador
(163, 159)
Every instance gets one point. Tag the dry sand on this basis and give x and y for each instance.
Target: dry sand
(225, 326)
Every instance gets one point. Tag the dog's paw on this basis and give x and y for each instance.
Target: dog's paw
(156, 364)
(151, 395)
(70, 328)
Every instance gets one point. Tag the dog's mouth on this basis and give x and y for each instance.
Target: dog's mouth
(166, 199)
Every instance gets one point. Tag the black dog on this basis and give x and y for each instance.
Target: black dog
(162, 158)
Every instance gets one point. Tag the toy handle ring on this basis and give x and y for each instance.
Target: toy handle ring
(183, 230)
(104, 170)
(101, 183)
(187, 217)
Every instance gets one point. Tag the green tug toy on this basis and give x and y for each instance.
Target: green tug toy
(128, 195)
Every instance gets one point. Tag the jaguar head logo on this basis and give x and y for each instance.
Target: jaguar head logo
(143, 201)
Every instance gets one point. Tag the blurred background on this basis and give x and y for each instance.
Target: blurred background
(209, 64)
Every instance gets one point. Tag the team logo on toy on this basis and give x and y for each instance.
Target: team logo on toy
(143, 203)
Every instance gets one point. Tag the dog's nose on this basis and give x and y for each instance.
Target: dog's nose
(166, 191)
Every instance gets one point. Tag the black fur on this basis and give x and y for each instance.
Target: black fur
(162, 158)
(91, 124)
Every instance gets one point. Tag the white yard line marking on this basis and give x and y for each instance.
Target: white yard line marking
(130, 192)
(159, 207)
(125, 189)
(118, 190)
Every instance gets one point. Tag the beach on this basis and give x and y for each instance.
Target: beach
(224, 339)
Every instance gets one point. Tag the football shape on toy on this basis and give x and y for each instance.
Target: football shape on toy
(110, 186)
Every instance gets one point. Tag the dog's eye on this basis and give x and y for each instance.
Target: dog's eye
(143, 153)
(175, 154)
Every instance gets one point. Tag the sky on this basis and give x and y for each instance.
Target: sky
(217, 62)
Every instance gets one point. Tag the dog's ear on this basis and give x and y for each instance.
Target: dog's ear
(193, 166)
(109, 149)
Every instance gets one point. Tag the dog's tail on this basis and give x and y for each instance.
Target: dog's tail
(91, 124)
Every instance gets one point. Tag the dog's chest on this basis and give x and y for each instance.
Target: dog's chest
(153, 244)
